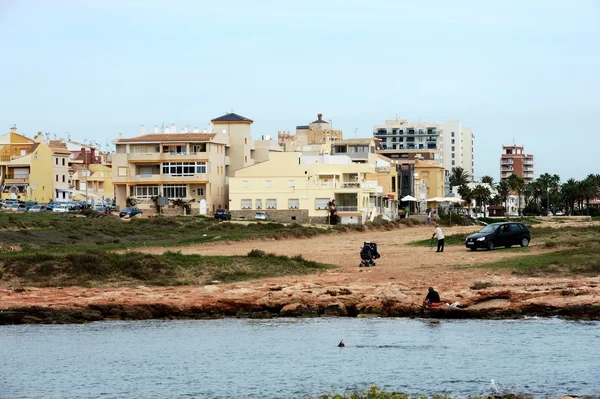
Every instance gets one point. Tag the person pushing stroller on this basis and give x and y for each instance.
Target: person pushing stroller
(368, 254)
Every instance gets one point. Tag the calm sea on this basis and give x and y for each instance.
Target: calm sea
(296, 358)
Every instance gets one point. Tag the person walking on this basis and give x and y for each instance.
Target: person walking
(428, 215)
(440, 238)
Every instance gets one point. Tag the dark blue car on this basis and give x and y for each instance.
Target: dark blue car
(505, 234)
(131, 212)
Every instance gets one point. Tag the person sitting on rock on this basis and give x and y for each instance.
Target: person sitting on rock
(432, 300)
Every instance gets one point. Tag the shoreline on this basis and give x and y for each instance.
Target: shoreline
(93, 312)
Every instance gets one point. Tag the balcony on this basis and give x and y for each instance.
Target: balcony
(507, 162)
(156, 178)
(19, 178)
(347, 208)
(166, 156)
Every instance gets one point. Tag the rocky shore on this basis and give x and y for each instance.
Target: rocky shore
(272, 302)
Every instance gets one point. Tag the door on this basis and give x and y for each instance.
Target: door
(504, 235)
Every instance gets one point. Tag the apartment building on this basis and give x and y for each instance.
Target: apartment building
(296, 188)
(314, 138)
(188, 165)
(515, 160)
(449, 144)
(39, 172)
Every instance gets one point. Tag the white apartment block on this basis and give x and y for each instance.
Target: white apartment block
(448, 144)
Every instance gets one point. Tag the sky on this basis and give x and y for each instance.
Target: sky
(523, 71)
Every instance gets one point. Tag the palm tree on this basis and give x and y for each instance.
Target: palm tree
(458, 177)
(516, 185)
(488, 179)
(503, 191)
(466, 194)
(569, 193)
(482, 195)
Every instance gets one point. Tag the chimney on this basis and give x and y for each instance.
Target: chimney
(13, 129)
(196, 129)
(120, 135)
(39, 137)
(142, 130)
(173, 129)
(93, 154)
(155, 129)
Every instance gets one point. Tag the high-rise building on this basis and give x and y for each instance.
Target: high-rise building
(514, 160)
(449, 144)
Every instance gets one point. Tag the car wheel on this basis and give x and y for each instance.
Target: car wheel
(490, 246)
(524, 242)
(508, 246)
(473, 249)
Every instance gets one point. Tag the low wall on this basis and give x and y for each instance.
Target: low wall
(277, 215)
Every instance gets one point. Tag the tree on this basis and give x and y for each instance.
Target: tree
(488, 179)
(482, 195)
(569, 194)
(466, 194)
(516, 185)
(458, 177)
(503, 191)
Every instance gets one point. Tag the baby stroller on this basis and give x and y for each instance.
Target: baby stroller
(368, 254)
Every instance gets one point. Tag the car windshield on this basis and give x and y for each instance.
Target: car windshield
(490, 228)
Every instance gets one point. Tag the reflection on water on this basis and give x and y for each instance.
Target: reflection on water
(297, 357)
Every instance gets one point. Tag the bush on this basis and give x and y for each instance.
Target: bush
(479, 285)
(257, 253)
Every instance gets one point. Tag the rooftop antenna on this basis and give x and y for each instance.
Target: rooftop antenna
(162, 127)
(514, 142)
(68, 136)
(356, 132)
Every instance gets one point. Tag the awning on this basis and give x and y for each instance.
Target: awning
(409, 198)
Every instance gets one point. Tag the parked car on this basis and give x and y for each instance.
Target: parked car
(261, 215)
(38, 208)
(18, 208)
(29, 204)
(8, 202)
(131, 212)
(559, 213)
(60, 208)
(499, 235)
(222, 214)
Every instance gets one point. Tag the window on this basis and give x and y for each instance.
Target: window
(63, 162)
(321, 203)
(271, 204)
(63, 178)
(137, 149)
(244, 183)
(452, 141)
(293, 203)
(56, 177)
(453, 163)
(340, 149)
(245, 141)
(245, 159)
(174, 191)
(358, 148)
(453, 155)
(268, 184)
(56, 159)
(452, 135)
(291, 183)
(201, 192)
(122, 171)
(146, 191)
(452, 148)
(246, 204)
(199, 148)
(258, 204)
(183, 168)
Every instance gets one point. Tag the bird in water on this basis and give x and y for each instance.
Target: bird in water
(341, 344)
(495, 387)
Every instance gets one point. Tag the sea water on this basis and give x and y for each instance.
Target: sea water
(297, 358)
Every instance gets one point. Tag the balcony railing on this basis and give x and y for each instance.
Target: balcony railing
(166, 156)
(345, 208)
(18, 176)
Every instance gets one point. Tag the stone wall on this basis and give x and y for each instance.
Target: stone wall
(277, 215)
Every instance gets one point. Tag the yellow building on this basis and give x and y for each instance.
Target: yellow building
(316, 137)
(295, 188)
(429, 181)
(186, 165)
(13, 145)
(91, 182)
(39, 175)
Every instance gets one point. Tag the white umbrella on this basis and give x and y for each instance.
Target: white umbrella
(435, 199)
(408, 198)
(452, 199)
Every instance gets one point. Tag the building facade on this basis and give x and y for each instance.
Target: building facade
(449, 144)
(295, 188)
(190, 166)
(514, 160)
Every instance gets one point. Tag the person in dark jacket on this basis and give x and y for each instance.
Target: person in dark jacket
(432, 300)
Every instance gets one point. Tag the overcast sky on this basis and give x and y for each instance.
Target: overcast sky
(523, 70)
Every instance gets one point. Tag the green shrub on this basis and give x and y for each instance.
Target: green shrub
(479, 285)
(256, 253)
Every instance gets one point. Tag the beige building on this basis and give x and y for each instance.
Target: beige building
(186, 165)
(314, 138)
(295, 188)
